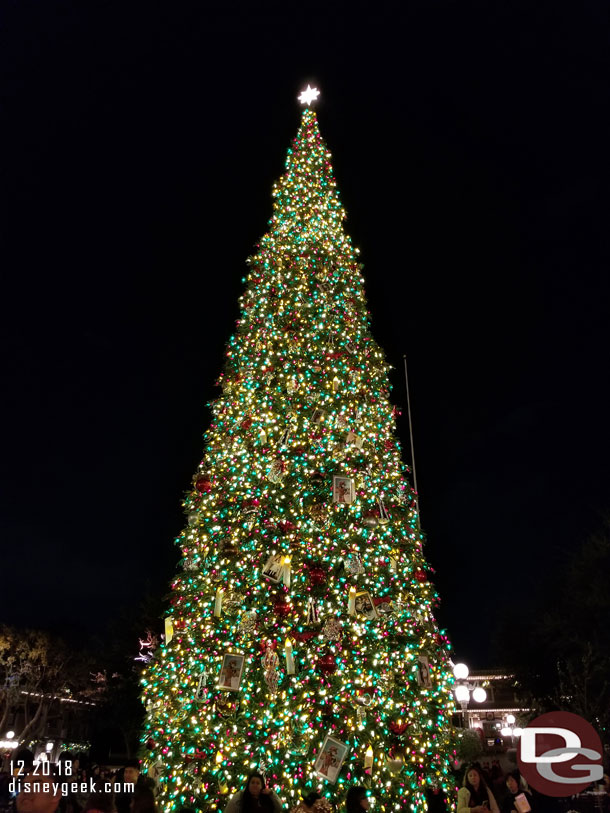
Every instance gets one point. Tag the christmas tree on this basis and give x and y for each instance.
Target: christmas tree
(301, 641)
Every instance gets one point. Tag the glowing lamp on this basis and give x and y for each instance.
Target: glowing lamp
(479, 695)
(462, 695)
(460, 670)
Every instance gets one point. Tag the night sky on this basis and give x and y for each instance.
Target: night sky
(470, 144)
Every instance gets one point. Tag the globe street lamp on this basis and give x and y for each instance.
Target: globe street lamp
(465, 689)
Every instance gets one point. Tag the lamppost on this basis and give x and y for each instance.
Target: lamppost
(509, 730)
(464, 689)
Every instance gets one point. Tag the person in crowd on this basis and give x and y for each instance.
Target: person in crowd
(5, 793)
(357, 800)
(100, 802)
(254, 797)
(39, 801)
(131, 772)
(25, 756)
(130, 776)
(68, 770)
(515, 787)
(143, 800)
(475, 796)
(95, 772)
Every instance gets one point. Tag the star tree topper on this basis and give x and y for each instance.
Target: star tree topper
(309, 95)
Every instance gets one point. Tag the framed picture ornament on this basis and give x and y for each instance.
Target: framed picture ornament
(330, 759)
(274, 568)
(343, 490)
(364, 605)
(423, 671)
(231, 672)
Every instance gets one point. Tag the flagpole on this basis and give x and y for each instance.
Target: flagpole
(404, 358)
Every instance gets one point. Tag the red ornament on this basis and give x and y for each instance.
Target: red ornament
(317, 575)
(203, 484)
(420, 575)
(282, 607)
(327, 664)
(246, 423)
(150, 744)
(398, 727)
(305, 636)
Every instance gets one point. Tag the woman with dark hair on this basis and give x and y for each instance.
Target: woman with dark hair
(356, 800)
(255, 798)
(475, 796)
(512, 803)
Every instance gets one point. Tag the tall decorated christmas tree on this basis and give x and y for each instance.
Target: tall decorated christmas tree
(301, 640)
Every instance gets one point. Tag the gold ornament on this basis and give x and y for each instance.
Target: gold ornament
(231, 602)
(247, 624)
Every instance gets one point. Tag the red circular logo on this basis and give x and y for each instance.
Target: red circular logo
(560, 754)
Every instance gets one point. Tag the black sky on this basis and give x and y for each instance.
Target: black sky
(470, 143)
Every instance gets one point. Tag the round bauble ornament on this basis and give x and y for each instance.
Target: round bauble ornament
(203, 484)
(193, 517)
(420, 575)
(282, 607)
(246, 424)
(327, 664)
(150, 743)
(317, 575)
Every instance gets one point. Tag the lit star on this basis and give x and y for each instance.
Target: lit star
(310, 95)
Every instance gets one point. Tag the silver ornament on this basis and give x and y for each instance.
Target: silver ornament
(353, 564)
(332, 630)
